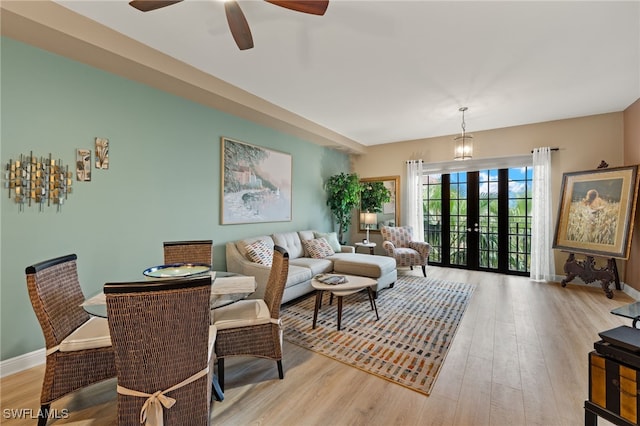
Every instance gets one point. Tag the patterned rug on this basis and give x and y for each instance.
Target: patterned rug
(418, 320)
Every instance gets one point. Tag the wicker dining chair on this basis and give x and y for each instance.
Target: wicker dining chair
(253, 327)
(78, 346)
(196, 251)
(163, 346)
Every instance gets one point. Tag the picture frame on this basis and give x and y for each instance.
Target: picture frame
(83, 165)
(256, 184)
(596, 212)
(390, 214)
(102, 153)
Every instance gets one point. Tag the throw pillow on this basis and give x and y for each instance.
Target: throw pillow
(318, 248)
(260, 252)
(332, 239)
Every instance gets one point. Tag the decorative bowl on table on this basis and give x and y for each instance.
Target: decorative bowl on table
(177, 270)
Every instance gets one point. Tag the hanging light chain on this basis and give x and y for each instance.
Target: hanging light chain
(464, 126)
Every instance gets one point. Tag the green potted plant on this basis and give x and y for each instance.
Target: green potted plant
(343, 195)
(373, 195)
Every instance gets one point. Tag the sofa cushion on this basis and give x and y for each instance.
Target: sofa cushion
(318, 248)
(365, 265)
(260, 252)
(317, 266)
(297, 275)
(242, 244)
(290, 241)
(332, 239)
(306, 235)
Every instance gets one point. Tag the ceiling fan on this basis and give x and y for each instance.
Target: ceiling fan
(235, 18)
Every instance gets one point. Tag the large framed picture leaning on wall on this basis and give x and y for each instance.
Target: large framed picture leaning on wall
(596, 213)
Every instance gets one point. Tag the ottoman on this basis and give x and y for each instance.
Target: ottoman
(380, 268)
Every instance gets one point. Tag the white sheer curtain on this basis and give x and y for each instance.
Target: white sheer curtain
(413, 204)
(542, 260)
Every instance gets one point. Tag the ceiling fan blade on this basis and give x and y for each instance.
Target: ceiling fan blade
(314, 7)
(238, 25)
(148, 5)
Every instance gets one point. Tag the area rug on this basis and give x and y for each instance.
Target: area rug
(418, 320)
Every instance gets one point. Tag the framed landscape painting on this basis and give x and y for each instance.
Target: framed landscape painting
(596, 213)
(256, 184)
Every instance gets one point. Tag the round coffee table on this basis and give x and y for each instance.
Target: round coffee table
(354, 284)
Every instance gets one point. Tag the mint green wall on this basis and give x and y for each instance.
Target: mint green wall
(163, 182)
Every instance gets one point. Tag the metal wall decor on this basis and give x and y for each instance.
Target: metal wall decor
(37, 181)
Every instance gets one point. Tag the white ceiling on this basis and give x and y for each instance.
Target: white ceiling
(388, 71)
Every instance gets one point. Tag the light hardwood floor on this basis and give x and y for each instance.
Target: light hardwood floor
(519, 358)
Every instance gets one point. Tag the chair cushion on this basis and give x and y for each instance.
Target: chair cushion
(213, 331)
(332, 239)
(242, 314)
(318, 248)
(92, 334)
(259, 252)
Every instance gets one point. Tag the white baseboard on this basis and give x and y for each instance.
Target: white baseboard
(627, 289)
(22, 362)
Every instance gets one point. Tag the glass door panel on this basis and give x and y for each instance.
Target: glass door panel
(458, 219)
(480, 220)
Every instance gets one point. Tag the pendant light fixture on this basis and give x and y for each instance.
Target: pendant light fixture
(463, 142)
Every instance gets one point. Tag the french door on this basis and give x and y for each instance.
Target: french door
(480, 220)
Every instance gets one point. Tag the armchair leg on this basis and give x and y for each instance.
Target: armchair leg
(221, 373)
(424, 270)
(280, 371)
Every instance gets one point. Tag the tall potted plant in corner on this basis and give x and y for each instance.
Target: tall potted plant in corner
(373, 195)
(343, 195)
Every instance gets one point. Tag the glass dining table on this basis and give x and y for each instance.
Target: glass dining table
(226, 287)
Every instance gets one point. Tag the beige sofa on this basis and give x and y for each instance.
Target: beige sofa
(302, 267)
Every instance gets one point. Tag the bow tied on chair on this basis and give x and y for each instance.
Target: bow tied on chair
(152, 409)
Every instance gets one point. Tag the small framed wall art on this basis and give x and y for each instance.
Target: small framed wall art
(102, 153)
(83, 165)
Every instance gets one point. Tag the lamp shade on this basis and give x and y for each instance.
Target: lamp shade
(463, 149)
(370, 218)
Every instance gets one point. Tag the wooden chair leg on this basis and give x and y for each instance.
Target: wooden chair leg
(424, 270)
(221, 373)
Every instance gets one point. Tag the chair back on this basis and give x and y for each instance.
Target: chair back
(160, 333)
(56, 296)
(277, 281)
(196, 251)
(400, 236)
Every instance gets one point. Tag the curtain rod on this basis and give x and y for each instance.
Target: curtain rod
(551, 149)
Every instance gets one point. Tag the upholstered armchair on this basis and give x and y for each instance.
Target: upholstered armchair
(398, 243)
